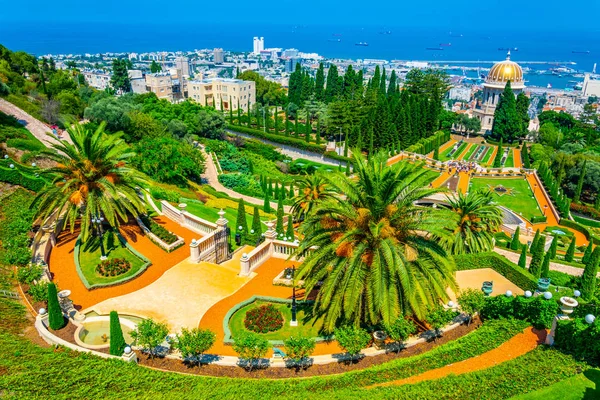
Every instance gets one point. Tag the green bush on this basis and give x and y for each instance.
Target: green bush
(25, 144)
(536, 310)
(510, 271)
(117, 341)
(352, 339)
(55, 315)
(29, 274)
(39, 291)
(250, 347)
(161, 194)
(149, 334)
(536, 219)
(299, 348)
(15, 177)
(580, 228)
(286, 140)
(195, 342)
(586, 222)
(242, 183)
(578, 338)
(158, 230)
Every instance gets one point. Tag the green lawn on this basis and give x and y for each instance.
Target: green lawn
(308, 326)
(470, 152)
(510, 161)
(488, 155)
(582, 386)
(521, 201)
(303, 164)
(445, 156)
(89, 258)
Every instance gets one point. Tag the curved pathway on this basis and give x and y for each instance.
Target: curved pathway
(521, 344)
(36, 127)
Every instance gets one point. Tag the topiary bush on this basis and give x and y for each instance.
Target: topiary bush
(578, 338)
(263, 319)
(536, 310)
(56, 320)
(158, 230)
(117, 341)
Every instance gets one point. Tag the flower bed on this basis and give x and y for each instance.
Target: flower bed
(159, 230)
(113, 267)
(264, 319)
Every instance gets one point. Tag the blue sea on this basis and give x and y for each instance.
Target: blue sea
(384, 42)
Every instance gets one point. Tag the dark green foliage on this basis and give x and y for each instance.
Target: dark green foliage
(250, 347)
(194, 342)
(560, 200)
(56, 320)
(440, 317)
(537, 258)
(580, 180)
(241, 218)
(299, 348)
(117, 341)
(352, 339)
(149, 334)
(279, 227)
(471, 301)
(498, 263)
(553, 248)
(535, 241)
(570, 255)
(525, 156)
(507, 124)
(289, 233)
(498, 157)
(160, 231)
(587, 254)
(267, 203)
(523, 257)
(515, 243)
(120, 78)
(545, 266)
(256, 224)
(401, 329)
(579, 338)
(588, 279)
(536, 310)
(436, 153)
(299, 143)
(15, 222)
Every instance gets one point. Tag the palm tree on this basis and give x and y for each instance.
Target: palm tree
(375, 252)
(312, 189)
(477, 218)
(91, 179)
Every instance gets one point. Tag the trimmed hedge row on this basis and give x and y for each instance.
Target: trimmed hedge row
(536, 310)
(427, 145)
(507, 269)
(16, 177)
(577, 337)
(561, 201)
(580, 228)
(586, 221)
(287, 140)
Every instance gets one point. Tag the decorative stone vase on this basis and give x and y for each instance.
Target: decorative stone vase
(487, 287)
(568, 304)
(543, 284)
(379, 339)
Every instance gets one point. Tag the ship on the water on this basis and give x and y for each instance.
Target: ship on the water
(580, 52)
(445, 44)
(434, 48)
(508, 49)
(334, 40)
(361, 44)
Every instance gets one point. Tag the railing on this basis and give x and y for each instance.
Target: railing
(206, 248)
(188, 220)
(283, 249)
(256, 257)
(171, 212)
(8, 294)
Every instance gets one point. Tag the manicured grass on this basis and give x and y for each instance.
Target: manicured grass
(470, 151)
(488, 155)
(445, 156)
(318, 166)
(89, 258)
(510, 160)
(521, 201)
(582, 386)
(308, 326)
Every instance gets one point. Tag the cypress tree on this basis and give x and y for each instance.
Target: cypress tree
(597, 202)
(267, 204)
(523, 257)
(535, 241)
(230, 113)
(525, 156)
(498, 158)
(289, 233)
(553, 248)
(241, 217)
(256, 224)
(537, 258)
(56, 320)
(239, 113)
(308, 128)
(515, 243)
(370, 133)
(545, 266)
(587, 254)
(507, 124)
(276, 192)
(588, 279)
(279, 228)
(320, 83)
(436, 154)
(117, 341)
(291, 193)
(318, 134)
(276, 119)
(296, 129)
(270, 191)
(570, 255)
(287, 131)
(577, 195)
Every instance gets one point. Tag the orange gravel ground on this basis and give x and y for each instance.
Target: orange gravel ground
(463, 182)
(521, 344)
(62, 263)
(517, 158)
(260, 285)
(494, 151)
(395, 159)
(439, 181)
(464, 153)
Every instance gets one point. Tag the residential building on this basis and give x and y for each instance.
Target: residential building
(218, 56)
(138, 82)
(290, 64)
(217, 91)
(461, 93)
(259, 44)
(591, 85)
(97, 78)
(183, 65)
(161, 84)
(290, 53)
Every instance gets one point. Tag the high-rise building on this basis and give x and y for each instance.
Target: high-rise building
(290, 53)
(183, 65)
(259, 44)
(290, 64)
(218, 56)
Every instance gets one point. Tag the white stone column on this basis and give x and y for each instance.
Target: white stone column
(270, 234)
(194, 252)
(244, 265)
(222, 221)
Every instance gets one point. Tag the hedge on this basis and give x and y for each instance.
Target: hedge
(287, 140)
(561, 201)
(25, 144)
(580, 228)
(498, 263)
(536, 310)
(577, 337)
(16, 177)
(536, 219)
(427, 145)
(585, 221)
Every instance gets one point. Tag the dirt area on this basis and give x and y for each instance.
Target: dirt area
(315, 370)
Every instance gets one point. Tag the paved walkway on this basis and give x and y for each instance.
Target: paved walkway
(517, 158)
(62, 263)
(212, 176)
(183, 294)
(260, 285)
(463, 182)
(517, 346)
(567, 269)
(36, 127)
(474, 278)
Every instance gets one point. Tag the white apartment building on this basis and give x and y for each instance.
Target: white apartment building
(591, 85)
(96, 78)
(259, 44)
(229, 92)
(160, 84)
(183, 65)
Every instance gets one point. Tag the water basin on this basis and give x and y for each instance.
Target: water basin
(94, 332)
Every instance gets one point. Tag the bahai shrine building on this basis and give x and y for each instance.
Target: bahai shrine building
(493, 87)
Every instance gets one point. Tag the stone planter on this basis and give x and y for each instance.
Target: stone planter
(487, 287)
(379, 339)
(543, 284)
(568, 304)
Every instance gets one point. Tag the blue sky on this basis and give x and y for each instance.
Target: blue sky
(492, 15)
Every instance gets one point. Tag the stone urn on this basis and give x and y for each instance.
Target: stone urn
(487, 287)
(543, 284)
(568, 304)
(379, 339)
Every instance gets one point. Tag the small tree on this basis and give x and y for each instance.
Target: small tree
(525, 156)
(436, 154)
(56, 319)
(250, 348)
(588, 279)
(498, 158)
(553, 248)
(299, 349)
(291, 192)
(241, 218)
(267, 204)
(471, 301)
(352, 339)
(117, 341)
(401, 330)
(537, 258)
(523, 257)
(195, 342)
(516, 243)
(438, 318)
(290, 228)
(570, 255)
(535, 241)
(256, 224)
(279, 227)
(149, 334)
(587, 254)
(545, 271)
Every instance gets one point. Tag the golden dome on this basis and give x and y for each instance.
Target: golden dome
(504, 71)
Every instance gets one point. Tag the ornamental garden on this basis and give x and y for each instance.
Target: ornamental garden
(443, 267)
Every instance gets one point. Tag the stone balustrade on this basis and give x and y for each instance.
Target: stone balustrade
(188, 220)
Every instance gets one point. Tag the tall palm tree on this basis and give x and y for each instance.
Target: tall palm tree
(477, 218)
(91, 179)
(374, 251)
(312, 189)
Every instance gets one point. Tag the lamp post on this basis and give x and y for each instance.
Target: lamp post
(294, 322)
(97, 221)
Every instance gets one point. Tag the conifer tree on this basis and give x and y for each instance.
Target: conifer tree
(289, 233)
(553, 248)
(256, 224)
(515, 243)
(436, 154)
(525, 156)
(287, 130)
(279, 227)
(117, 341)
(291, 192)
(56, 320)
(534, 242)
(545, 266)
(498, 158)
(588, 279)
(523, 257)
(267, 204)
(296, 128)
(587, 254)
(577, 195)
(537, 258)
(241, 218)
(522, 107)
(506, 125)
(570, 255)
(320, 84)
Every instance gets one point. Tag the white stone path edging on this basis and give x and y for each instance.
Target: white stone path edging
(232, 361)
